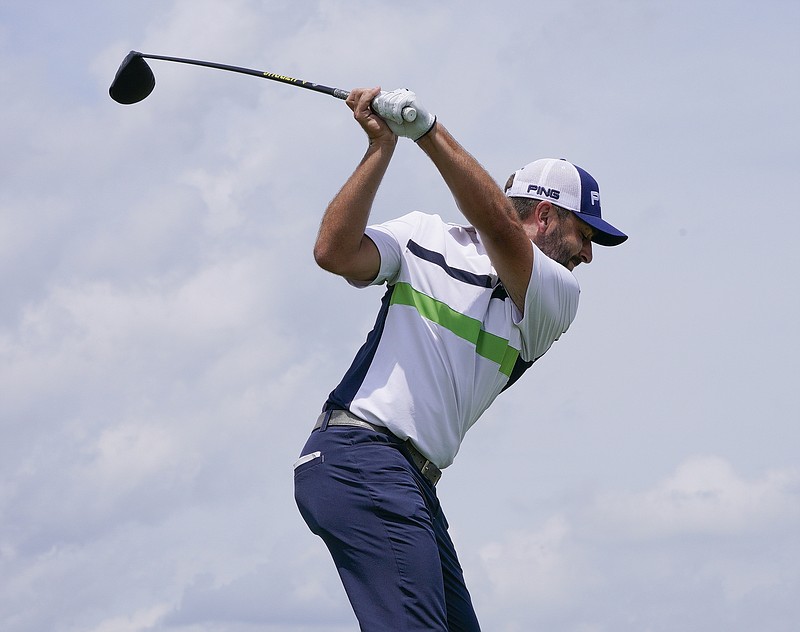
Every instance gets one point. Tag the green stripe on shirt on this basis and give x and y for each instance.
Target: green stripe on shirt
(487, 345)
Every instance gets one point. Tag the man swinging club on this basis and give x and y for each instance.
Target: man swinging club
(467, 309)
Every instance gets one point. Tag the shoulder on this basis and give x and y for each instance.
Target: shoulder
(551, 304)
(547, 270)
(415, 225)
(553, 291)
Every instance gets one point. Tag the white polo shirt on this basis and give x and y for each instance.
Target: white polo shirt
(448, 339)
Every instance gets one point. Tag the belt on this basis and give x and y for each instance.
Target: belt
(346, 418)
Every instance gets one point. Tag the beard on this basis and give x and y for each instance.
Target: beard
(552, 244)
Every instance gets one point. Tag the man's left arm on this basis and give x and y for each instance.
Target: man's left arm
(477, 195)
(487, 208)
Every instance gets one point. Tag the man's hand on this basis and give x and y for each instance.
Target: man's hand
(360, 101)
(392, 107)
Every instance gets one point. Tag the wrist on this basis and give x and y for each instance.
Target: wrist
(383, 142)
(435, 140)
(428, 136)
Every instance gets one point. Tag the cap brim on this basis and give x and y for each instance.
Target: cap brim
(605, 233)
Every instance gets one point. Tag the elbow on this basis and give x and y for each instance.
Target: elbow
(323, 256)
(353, 262)
(330, 259)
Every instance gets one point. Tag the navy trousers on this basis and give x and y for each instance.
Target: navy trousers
(384, 527)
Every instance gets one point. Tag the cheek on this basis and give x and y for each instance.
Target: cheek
(571, 236)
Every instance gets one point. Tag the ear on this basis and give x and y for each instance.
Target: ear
(543, 215)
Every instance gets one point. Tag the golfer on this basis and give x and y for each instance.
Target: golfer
(467, 310)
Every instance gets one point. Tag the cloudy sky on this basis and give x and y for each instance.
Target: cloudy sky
(166, 340)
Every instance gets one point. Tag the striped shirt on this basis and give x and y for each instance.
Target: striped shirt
(448, 339)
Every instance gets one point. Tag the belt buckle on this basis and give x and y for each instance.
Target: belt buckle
(431, 472)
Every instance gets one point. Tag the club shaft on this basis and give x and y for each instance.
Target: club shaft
(409, 113)
(334, 92)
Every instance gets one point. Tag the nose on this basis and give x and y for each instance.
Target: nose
(586, 251)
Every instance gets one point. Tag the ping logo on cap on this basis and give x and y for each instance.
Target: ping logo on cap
(595, 197)
(553, 194)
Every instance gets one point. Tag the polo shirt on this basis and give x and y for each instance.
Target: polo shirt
(448, 339)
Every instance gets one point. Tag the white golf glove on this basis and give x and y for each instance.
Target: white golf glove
(404, 115)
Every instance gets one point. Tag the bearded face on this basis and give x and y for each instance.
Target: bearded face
(566, 240)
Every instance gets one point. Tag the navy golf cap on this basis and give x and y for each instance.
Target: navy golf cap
(570, 187)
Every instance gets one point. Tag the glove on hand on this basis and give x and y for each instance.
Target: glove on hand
(397, 107)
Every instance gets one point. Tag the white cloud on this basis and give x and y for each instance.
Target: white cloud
(301, 595)
(530, 567)
(83, 334)
(140, 621)
(126, 456)
(705, 496)
(166, 341)
(702, 538)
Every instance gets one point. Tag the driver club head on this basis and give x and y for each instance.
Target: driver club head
(134, 80)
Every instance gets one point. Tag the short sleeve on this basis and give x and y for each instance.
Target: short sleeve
(390, 238)
(551, 303)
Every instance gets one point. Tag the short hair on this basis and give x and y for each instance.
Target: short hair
(525, 206)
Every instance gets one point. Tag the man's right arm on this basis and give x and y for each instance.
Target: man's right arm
(341, 246)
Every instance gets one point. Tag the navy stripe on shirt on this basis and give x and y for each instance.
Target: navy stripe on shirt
(437, 258)
(520, 366)
(342, 396)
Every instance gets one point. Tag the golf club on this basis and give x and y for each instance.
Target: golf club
(135, 81)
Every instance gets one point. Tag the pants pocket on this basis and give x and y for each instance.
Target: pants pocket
(308, 461)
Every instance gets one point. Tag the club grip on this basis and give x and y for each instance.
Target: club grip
(409, 114)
